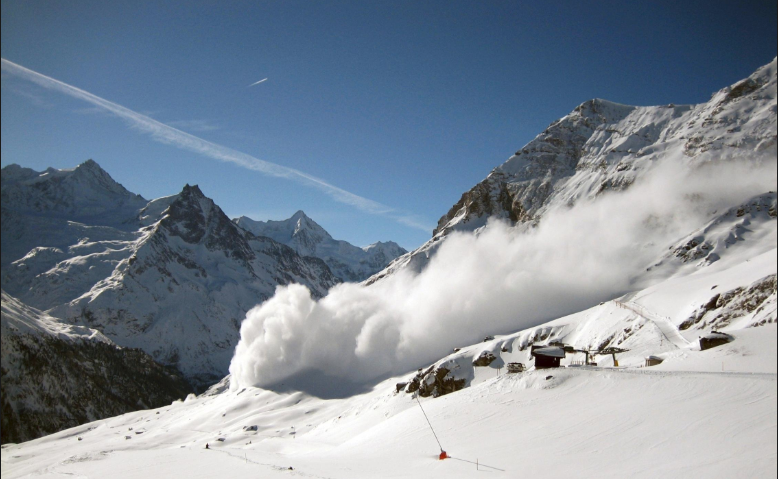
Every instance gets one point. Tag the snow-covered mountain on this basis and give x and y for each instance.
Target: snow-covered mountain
(183, 292)
(698, 413)
(55, 208)
(347, 262)
(56, 375)
(173, 276)
(603, 146)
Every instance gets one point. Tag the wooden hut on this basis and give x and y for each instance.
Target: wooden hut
(653, 361)
(547, 356)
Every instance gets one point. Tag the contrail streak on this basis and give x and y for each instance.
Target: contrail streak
(258, 82)
(172, 136)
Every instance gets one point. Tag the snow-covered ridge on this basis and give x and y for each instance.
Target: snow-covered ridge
(22, 319)
(86, 191)
(307, 238)
(186, 285)
(603, 146)
(58, 208)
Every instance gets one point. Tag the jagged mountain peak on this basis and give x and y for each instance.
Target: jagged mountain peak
(14, 173)
(83, 193)
(196, 219)
(90, 165)
(308, 238)
(384, 245)
(192, 190)
(299, 214)
(297, 228)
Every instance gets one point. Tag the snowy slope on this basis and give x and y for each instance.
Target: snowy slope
(56, 375)
(700, 413)
(662, 320)
(603, 146)
(307, 238)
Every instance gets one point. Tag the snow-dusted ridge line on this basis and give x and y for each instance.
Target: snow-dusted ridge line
(603, 146)
(307, 238)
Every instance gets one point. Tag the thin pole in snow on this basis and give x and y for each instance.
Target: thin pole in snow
(428, 422)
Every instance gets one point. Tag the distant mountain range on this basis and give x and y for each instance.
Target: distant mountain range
(346, 261)
(172, 276)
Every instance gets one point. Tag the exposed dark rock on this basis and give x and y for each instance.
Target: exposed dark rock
(434, 381)
(484, 359)
(714, 339)
(721, 309)
(514, 368)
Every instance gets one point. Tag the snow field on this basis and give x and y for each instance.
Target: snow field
(587, 422)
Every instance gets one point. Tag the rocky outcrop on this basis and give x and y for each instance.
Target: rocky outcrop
(434, 381)
(484, 359)
(756, 302)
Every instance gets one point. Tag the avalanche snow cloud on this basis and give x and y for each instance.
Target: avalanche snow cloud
(498, 280)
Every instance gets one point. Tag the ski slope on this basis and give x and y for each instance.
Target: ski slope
(683, 418)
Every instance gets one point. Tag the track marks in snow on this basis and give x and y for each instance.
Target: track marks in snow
(665, 325)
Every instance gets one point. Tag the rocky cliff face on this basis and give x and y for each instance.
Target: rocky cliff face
(604, 146)
(56, 376)
(307, 238)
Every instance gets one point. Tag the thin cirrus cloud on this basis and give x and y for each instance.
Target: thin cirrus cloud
(172, 136)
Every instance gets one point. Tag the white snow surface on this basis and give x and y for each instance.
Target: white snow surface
(699, 414)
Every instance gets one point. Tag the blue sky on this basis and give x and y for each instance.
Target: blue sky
(405, 105)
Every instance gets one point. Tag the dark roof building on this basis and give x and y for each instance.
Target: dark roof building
(547, 356)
